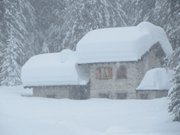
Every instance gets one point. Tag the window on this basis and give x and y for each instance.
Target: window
(98, 73)
(51, 96)
(121, 72)
(121, 95)
(104, 73)
(104, 95)
(144, 96)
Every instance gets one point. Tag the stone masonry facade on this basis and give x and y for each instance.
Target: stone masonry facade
(124, 88)
(71, 92)
(112, 87)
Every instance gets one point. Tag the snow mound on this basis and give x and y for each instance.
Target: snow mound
(52, 69)
(121, 44)
(21, 115)
(156, 79)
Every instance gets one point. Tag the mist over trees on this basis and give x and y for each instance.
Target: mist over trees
(63, 23)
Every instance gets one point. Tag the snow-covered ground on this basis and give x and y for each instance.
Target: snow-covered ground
(21, 114)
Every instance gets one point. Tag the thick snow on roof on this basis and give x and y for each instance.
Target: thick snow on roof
(156, 79)
(121, 44)
(52, 69)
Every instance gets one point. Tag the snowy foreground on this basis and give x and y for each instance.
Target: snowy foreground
(21, 114)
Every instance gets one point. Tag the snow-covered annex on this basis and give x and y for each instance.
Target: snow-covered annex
(117, 63)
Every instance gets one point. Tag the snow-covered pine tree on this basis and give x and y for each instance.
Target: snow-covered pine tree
(174, 62)
(27, 19)
(1, 29)
(18, 38)
(174, 94)
(10, 68)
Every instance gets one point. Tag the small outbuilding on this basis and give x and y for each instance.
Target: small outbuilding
(155, 84)
(55, 75)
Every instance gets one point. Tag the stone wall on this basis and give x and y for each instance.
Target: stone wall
(71, 92)
(151, 94)
(124, 88)
(114, 88)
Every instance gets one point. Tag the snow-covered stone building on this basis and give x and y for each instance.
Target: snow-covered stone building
(108, 63)
(55, 75)
(118, 58)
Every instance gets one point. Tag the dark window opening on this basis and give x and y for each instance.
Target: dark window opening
(121, 73)
(104, 95)
(144, 96)
(121, 95)
(51, 96)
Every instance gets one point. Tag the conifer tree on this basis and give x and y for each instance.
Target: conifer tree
(13, 44)
(174, 94)
(10, 68)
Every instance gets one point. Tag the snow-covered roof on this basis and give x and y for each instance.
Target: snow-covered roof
(52, 69)
(121, 44)
(156, 79)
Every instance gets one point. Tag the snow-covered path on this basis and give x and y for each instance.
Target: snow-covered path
(22, 115)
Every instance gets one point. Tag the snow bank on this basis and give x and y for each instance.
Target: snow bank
(156, 79)
(121, 44)
(20, 115)
(52, 69)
